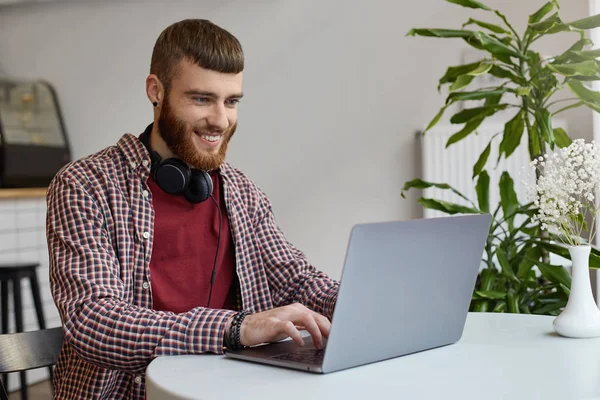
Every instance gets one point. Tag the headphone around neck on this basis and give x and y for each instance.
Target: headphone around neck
(175, 177)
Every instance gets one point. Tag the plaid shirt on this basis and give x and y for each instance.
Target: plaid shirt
(100, 231)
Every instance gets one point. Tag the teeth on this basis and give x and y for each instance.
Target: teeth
(210, 138)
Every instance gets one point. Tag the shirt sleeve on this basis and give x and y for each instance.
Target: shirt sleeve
(291, 277)
(86, 284)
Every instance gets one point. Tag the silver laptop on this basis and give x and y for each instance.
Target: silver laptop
(406, 287)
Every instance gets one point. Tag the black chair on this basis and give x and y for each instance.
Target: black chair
(23, 351)
(12, 274)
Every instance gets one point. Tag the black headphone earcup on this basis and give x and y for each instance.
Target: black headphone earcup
(200, 187)
(172, 175)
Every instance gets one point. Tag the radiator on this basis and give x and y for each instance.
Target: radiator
(454, 165)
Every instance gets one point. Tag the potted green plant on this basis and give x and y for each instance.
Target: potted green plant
(517, 245)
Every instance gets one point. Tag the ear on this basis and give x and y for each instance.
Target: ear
(154, 89)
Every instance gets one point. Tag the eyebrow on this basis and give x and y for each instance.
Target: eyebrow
(194, 92)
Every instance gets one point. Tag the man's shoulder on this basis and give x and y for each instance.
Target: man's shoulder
(95, 167)
(235, 174)
(248, 190)
(238, 178)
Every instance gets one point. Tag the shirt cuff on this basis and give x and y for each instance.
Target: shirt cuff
(208, 331)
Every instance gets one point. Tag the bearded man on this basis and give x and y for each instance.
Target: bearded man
(160, 247)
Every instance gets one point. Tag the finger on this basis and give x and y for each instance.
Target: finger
(313, 328)
(323, 323)
(289, 329)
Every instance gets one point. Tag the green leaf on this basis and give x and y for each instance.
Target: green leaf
(535, 61)
(546, 24)
(528, 261)
(483, 191)
(461, 82)
(497, 48)
(485, 25)
(548, 308)
(490, 294)
(512, 300)
(500, 307)
(542, 12)
(421, 184)
(568, 55)
(586, 23)
(523, 91)
(492, 101)
(464, 80)
(474, 42)
(481, 305)
(552, 24)
(502, 73)
(554, 248)
(483, 157)
(508, 198)
(488, 278)
(586, 55)
(561, 137)
(507, 40)
(477, 95)
(588, 68)
(513, 132)
(503, 18)
(555, 273)
(435, 119)
(483, 68)
(441, 33)
(534, 145)
(470, 4)
(452, 73)
(589, 97)
(594, 261)
(595, 257)
(505, 265)
(544, 123)
(447, 207)
(570, 106)
(469, 114)
(465, 131)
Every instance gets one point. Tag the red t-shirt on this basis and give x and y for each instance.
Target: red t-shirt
(183, 253)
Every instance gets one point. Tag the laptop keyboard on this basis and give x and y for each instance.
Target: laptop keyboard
(306, 356)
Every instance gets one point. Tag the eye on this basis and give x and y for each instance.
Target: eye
(201, 100)
(232, 102)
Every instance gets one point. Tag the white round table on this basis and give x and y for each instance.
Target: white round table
(500, 356)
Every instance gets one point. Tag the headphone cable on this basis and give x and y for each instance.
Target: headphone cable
(214, 270)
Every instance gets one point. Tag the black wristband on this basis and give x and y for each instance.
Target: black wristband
(234, 332)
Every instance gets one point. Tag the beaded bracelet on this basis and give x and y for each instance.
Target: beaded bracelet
(234, 342)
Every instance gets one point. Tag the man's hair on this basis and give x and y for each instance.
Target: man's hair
(201, 42)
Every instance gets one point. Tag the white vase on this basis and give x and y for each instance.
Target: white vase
(581, 317)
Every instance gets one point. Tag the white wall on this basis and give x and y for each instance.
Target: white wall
(334, 92)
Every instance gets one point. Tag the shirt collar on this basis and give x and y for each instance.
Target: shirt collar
(135, 153)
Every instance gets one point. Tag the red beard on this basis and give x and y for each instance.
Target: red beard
(178, 136)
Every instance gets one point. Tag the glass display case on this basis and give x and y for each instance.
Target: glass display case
(33, 139)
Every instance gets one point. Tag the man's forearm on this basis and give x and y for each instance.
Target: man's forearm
(116, 335)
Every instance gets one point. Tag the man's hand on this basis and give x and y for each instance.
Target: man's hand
(280, 323)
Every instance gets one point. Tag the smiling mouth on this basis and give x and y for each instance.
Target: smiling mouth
(210, 139)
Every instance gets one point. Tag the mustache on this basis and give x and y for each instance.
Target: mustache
(214, 131)
(211, 132)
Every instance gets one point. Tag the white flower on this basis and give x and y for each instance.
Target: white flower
(567, 187)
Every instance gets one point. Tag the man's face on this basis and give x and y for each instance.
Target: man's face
(199, 115)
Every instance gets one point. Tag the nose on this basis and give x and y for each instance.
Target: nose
(218, 117)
